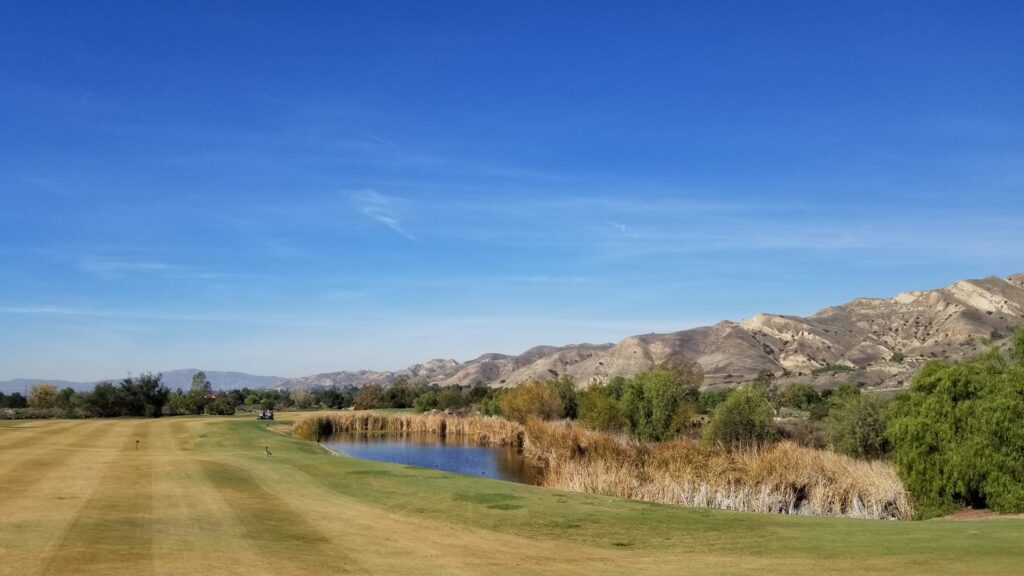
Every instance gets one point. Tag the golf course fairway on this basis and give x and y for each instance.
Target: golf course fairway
(199, 496)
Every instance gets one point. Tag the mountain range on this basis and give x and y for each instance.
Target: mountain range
(173, 379)
(872, 342)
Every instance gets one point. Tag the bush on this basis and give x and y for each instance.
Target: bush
(222, 406)
(491, 405)
(958, 435)
(832, 369)
(897, 357)
(426, 401)
(532, 400)
(600, 410)
(711, 399)
(856, 427)
(745, 419)
(800, 397)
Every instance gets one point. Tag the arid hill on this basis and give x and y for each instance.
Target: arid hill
(870, 341)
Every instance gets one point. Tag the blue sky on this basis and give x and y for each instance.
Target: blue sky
(294, 187)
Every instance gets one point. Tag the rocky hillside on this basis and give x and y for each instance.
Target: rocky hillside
(874, 342)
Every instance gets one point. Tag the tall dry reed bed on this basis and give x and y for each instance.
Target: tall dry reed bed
(483, 430)
(781, 478)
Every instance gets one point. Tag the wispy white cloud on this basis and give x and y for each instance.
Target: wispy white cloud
(117, 268)
(113, 267)
(43, 311)
(382, 209)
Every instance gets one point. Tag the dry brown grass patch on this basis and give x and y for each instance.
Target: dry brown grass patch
(780, 478)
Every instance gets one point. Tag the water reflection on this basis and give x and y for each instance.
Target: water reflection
(427, 451)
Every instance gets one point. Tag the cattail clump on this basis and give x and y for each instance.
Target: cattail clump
(483, 430)
(781, 478)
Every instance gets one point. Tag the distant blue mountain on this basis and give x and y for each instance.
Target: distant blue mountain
(172, 379)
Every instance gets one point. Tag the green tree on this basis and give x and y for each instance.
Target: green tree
(200, 383)
(600, 410)
(841, 393)
(958, 435)
(710, 399)
(490, 405)
(856, 427)
(800, 397)
(746, 419)
(370, 397)
(67, 399)
(426, 401)
(565, 386)
(16, 400)
(399, 394)
(104, 400)
(144, 395)
(766, 381)
(659, 404)
(1017, 348)
(222, 406)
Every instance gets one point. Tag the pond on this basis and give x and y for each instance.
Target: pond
(428, 451)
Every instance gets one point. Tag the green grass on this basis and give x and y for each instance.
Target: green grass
(202, 498)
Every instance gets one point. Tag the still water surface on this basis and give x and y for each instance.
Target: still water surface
(428, 451)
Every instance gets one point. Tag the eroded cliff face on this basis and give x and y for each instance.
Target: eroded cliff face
(862, 335)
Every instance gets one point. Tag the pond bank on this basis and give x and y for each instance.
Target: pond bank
(780, 478)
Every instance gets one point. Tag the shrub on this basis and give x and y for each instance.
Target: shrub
(800, 397)
(426, 401)
(532, 400)
(856, 427)
(710, 399)
(832, 369)
(958, 435)
(841, 394)
(897, 357)
(1017, 349)
(600, 410)
(222, 406)
(491, 405)
(745, 419)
